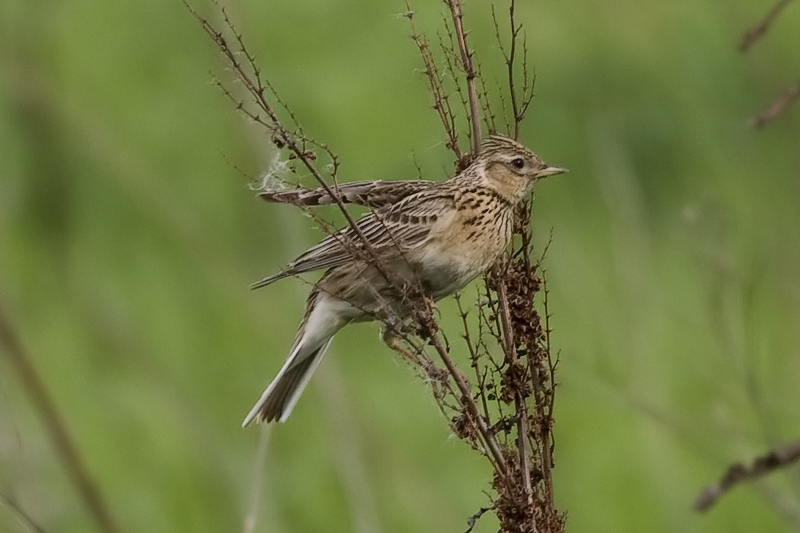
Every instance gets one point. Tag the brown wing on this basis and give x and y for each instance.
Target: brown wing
(375, 194)
(394, 229)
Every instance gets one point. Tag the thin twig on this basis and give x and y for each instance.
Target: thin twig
(473, 520)
(544, 391)
(473, 355)
(756, 32)
(547, 451)
(468, 400)
(257, 89)
(486, 104)
(519, 103)
(452, 59)
(519, 401)
(295, 141)
(778, 107)
(441, 101)
(739, 472)
(56, 427)
(466, 58)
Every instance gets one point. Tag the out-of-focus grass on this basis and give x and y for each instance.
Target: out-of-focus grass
(128, 238)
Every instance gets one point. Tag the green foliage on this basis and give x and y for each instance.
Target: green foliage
(128, 237)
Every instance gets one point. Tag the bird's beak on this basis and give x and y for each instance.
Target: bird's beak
(549, 171)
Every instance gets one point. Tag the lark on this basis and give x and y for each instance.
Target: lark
(435, 236)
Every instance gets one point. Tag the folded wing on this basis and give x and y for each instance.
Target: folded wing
(375, 194)
(391, 231)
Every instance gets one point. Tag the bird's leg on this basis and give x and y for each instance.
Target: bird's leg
(390, 334)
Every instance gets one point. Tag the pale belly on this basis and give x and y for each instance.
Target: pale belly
(440, 268)
(446, 273)
(367, 295)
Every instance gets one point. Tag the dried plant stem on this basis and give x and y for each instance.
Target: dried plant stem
(510, 64)
(791, 93)
(778, 458)
(778, 107)
(295, 142)
(518, 108)
(469, 401)
(546, 437)
(754, 34)
(519, 102)
(544, 391)
(523, 503)
(441, 101)
(505, 314)
(469, 71)
(56, 427)
(519, 401)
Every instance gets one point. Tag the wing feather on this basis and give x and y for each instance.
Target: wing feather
(376, 193)
(392, 230)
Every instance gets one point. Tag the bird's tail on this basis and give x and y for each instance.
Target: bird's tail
(320, 324)
(280, 397)
(268, 280)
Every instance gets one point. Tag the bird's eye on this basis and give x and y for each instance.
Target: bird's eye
(518, 163)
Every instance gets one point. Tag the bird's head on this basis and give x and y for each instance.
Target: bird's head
(510, 168)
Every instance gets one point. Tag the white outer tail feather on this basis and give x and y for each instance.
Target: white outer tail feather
(287, 410)
(298, 389)
(323, 321)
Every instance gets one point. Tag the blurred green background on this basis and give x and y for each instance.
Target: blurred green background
(128, 237)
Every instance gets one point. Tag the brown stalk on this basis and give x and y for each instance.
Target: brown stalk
(754, 34)
(56, 427)
(441, 101)
(295, 142)
(519, 103)
(469, 401)
(547, 449)
(466, 59)
(543, 394)
(474, 356)
(519, 401)
(738, 473)
(452, 60)
(778, 107)
(791, 93)
(488, 112)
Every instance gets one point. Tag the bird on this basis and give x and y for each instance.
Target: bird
(435, 236)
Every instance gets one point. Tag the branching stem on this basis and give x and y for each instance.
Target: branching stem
(469, 71)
